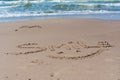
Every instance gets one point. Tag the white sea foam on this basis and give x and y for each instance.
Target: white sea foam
(39, 1)
(7, 7)
(35, 1)
(7, 15)
(14, 9)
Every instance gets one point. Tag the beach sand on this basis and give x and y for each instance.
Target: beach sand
(60, 49)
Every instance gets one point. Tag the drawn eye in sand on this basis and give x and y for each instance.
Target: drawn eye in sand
(28, 45)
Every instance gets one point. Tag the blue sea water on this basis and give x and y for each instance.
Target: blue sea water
(12, 10)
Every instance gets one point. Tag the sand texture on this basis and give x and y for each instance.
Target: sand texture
(60, 49)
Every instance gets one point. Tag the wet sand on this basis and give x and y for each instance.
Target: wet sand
(60, 49)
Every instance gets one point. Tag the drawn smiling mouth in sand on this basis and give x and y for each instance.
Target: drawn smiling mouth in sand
(70, 50)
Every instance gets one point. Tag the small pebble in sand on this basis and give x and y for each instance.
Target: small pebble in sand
(58, 78)
(29, 79)
(78, 51)
(51, 75)
(70, 42)
(60, 52)
(6, 77)
(16, 30)
(16, 74)
(7, 53)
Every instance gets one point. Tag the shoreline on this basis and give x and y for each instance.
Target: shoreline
(60, 49)
(106, 17)
(55, 18)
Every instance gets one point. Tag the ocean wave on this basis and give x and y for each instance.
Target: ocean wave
(55, 8)
(60, 1)
(14, 3)
(40, 1)
(66, 0)
(7, 15)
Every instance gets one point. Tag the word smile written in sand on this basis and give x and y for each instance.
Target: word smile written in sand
(70, 50)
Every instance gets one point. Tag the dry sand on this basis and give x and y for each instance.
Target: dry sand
(60, 49)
